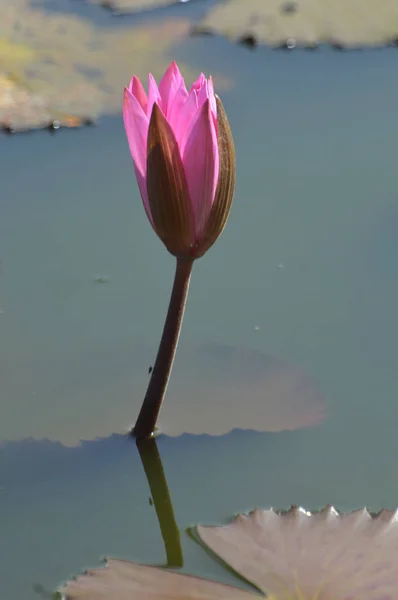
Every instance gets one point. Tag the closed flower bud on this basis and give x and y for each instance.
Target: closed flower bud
(184, 159)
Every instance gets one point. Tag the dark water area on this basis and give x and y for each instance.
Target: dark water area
(290, 330)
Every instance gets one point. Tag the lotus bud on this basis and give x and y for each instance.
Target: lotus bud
(184, 161)
(184, 158)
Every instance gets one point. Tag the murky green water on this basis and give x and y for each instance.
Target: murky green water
(291, 321)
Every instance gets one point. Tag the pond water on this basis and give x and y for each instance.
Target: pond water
(285, 386)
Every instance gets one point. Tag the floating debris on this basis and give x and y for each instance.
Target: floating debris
(248, 40)
(289, 7)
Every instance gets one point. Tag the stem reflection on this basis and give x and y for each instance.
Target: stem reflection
(153, 467)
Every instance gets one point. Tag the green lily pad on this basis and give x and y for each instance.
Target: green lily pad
(295, 555)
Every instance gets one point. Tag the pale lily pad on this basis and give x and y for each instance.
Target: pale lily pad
(344, 23)
(63, 70)
(298, 555)
(295, 555)
(124, 580)
(216, 388)
(132, 6)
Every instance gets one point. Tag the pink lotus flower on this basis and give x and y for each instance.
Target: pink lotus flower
(184, 159)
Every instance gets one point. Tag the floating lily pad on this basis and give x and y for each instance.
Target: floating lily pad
(342, 23)
(294, 555)
(216, 388)
(63, 69)
(124, 580)
(22, 109)
(132, 6)
(213, 388)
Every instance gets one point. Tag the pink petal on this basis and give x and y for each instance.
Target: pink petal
(153, 96)
(167, 87)
(212, 97)
(198, 83)
(176, 111)
(170, 84)
(137, 90)
(136, 125)
(178, 76)
(200, 91)
(203, 94)
(201, 164)
(186, 116)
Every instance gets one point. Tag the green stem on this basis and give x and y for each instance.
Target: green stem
(152, 403)
(152, 463)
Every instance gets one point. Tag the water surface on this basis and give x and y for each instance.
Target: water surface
(304, 277)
